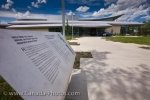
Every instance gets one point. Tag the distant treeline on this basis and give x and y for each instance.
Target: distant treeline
(146, 28)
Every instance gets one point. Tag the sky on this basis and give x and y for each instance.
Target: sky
(133, 10)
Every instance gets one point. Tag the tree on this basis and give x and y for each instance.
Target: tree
(68, 29)
(146, 28)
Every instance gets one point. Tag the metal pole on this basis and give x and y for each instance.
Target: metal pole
(63, 17)
(72, 25)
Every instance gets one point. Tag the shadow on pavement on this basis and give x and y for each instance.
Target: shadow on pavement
(78, 84)
(105, 83)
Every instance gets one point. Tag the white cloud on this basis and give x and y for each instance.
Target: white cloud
(23, 15)
(70, 13)
(43, 1)
(7, 14)
(34, 4)
(135, 13)
(132, 10)
(13, 10)
(82, 9)
(38, 2)
(109, 1)
(86, 2)
(7, 5)
(147, 18)
(102, 12)
(28, 7)
(28, 14)
(15, 14)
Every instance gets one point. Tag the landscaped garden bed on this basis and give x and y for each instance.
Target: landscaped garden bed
(81, 55)
(126, 39)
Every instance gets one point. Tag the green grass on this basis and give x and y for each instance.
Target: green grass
(73, 43)
(144, 47)
(136, 40)
(69, 37)
(81, 55)
(5, 88)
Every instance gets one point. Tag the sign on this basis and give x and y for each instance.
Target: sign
(37, 65)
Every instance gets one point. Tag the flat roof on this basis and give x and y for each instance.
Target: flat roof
(31, 19)
(34, 22)
(90, 25)
(51, 22)
(60, 25)
(35, 26)
(112, 18)
(125, 23)
(3, 25)
(74, 21)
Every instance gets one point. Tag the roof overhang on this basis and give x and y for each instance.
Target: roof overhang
(59, 25)
(90, 25)
(34, 26)
(110, 18)
(126, 23)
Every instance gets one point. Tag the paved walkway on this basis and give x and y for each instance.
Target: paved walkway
(118, 71)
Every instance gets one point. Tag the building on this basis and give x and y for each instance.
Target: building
(80, 26)
(3, 25)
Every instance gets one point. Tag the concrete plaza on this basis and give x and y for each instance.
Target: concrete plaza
(117, 71)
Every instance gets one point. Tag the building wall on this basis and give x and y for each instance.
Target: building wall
(33, 29)
(115, 29)
(109, 29)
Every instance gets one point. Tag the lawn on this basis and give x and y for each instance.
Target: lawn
(136, 40)
(5, 89)
(69, 37)
(73, 43)
(81, 55)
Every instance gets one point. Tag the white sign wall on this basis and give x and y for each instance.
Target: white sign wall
(37, 65)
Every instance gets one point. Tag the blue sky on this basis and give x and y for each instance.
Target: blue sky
(133, 10)
(50, 7)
